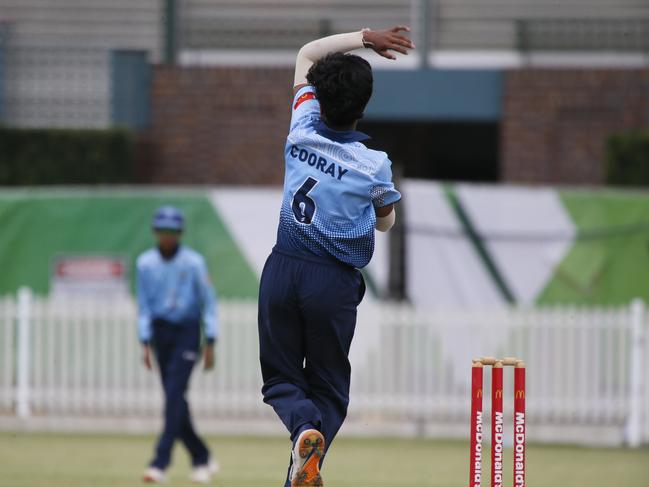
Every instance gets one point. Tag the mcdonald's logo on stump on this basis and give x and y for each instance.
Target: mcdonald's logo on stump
(497, 427)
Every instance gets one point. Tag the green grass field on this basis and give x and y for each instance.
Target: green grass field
(53, 460)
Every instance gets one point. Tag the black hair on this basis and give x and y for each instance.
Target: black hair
(343, 86)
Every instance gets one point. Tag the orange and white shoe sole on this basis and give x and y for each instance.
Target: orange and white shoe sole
(311, 449)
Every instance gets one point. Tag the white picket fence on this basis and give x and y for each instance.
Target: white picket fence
(588, 373)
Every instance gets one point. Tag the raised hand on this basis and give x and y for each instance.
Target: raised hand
(383, 42)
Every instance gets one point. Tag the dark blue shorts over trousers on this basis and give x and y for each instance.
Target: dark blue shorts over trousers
(307, 317)
(177, 349)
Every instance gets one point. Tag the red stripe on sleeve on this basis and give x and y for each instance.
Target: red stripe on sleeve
(307, 96)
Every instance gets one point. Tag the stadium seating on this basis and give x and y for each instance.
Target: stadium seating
(455, 24)
(286, 24)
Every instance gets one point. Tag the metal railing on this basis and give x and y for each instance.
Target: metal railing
(586, 367)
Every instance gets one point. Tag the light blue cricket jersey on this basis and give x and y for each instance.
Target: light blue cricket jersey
(178, 290)
(331, 186)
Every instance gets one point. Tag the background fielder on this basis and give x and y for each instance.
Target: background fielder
(175, 296)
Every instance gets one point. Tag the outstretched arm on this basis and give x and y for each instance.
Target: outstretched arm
(382, 42)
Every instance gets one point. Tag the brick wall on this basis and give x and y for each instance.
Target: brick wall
(218, 125)
(224, 125)
(556, 122)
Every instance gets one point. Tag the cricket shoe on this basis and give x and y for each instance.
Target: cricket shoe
(153, 475)
(307, 453)
(202, 474)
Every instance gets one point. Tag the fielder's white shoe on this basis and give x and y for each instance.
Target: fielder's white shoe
(153, 475)
(202, 474)
(307, 453)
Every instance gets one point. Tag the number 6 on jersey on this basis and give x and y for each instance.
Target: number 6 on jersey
(303, 206)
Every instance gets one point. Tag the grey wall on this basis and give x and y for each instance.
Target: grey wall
(437, 95)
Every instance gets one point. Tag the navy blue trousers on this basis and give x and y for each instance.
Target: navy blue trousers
(177, 349)
(307, 317)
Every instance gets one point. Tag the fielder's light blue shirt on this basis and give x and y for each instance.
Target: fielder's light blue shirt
(332, 185)
(177, 290)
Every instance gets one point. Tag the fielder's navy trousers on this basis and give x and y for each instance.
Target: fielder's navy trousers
(307, 317)
(177, 349)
